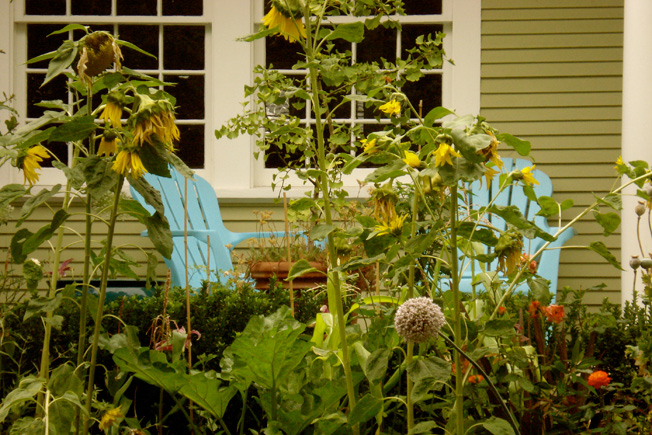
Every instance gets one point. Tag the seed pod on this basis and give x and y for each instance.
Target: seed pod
(648, 190)
(646, 263)
(635, 262)
(640, 208)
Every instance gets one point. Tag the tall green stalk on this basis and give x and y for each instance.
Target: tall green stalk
(323, 185)
(410, 294)
(457, 317)
(100, 303)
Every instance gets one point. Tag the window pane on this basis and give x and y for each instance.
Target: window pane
(410, 33)
(378, 43)
(55, 89)
(183, 47)
(40, 7)
(146, 38)
(281, 53)
(183, 7)
(189, 92)
(39, 43)
(91, 7)
(140, 7)
(422, 7)
(427, 89)
(191, 145)
(60, 149)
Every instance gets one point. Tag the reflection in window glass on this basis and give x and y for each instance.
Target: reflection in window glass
(60, 149)
(378, 43)
(183, 47)
(427, 89)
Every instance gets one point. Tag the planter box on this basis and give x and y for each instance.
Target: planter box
(263, 271)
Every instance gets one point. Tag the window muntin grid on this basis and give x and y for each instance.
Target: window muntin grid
(178, 42)
(425, 17)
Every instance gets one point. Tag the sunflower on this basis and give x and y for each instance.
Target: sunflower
(155, 117)
(489, 174)
(369, 146)
(110, 417)
(129, 162)
(31, 163)
(392, 108)
(112, 112)
(527, 175)
(289, 26)
(98, 51)
(490, 153)
(443, 154)
(108, 145)
(391, 226)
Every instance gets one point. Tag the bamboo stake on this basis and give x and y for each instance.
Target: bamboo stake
(287, 242)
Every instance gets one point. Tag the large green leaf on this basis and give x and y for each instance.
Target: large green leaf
(521, 146)
(350, 32)
(513, 216)
(73, 130)
(269, 349)
(498, 426)
(208, 393)
(428, 373)
(45, 232)
(366, 408)
(64, 57)
(608, 221)
(10, 193)
(601, 249)
(26, 390)
(35, 201)
(100, 178)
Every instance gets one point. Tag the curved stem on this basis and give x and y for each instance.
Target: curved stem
(492, 387)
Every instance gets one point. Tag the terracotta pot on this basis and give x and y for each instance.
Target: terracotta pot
(263, 271)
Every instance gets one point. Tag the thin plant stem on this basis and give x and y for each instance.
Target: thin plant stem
(323, 185)
(457, 321)
(410, 294)
(100, 304)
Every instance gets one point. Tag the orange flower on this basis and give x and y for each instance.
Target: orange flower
(465, 366)
(533, 310)
(554, 313)
(502, 310)
(476, 379)
(599, 379)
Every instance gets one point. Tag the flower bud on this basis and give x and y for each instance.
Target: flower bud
(640, 208)
(648, 190)
(634, 262)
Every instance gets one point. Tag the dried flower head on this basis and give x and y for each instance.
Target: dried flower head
(99, 51)
(419, 319)
(110, 417)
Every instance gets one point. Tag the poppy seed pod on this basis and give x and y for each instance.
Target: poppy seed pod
(646, 263)
(648, 190)
(640, 208)
(635, 262)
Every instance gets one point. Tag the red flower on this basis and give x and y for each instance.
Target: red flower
(533, 310)
(532, 265)
(599, 379)
(476, 379)
(502, 310)
(554, 313)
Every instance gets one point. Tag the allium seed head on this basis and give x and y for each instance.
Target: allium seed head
(419, 319)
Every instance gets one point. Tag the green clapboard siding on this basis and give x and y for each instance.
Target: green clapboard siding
(552, 74)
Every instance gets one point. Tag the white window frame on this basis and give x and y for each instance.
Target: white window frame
(18, 80)
(229, 164)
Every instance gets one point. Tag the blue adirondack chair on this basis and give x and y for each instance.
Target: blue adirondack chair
(204, 224)
(548, 262)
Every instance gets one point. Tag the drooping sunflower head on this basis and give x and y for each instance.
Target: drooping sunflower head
(412, 159)
(99, 51)
(490, 153)
(112, 112)
(509, 249)
(30, 162)
(384, 200)
(286, 15)
(108, 144)
(128, 162)
(155, 117)
(525, 175)
(110, 417)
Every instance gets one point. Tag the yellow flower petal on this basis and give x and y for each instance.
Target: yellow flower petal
(369, 146)
(443, 154)
(412, 159)
(291, 29)
(32, 163)
(113, 113)
(392, 108)
(127, 162)
(527, 175)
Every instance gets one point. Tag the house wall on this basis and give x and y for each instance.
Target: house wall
(552, 74)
